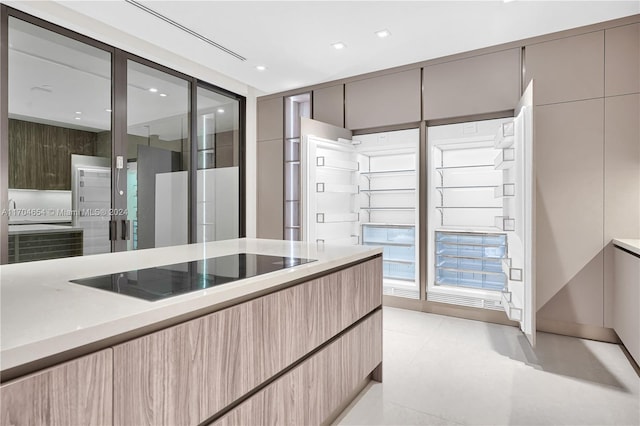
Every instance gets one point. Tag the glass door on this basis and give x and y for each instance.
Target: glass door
(218, 170)
(59, 143)
(157, 158)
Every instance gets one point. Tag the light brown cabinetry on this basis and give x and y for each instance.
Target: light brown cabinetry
(622, 60)
(328, 105)
(270, 119)
(312, 392)
(626, 293)
(269, 182)
(187, 373)
(477, 85)
(621, 182)
(567, 69)
(383, 101)
(270, 189)
(78, 392)
(569, 205)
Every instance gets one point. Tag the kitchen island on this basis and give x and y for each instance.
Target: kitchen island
(235, 353)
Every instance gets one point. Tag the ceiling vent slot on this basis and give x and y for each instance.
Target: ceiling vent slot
(185, 29)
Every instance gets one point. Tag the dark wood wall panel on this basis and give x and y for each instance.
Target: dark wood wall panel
(40, 154)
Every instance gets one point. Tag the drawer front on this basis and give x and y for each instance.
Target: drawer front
(187, 373)
(78, 392)
(310, 393)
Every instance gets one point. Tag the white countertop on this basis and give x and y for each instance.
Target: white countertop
(630, 244)
(40, 228)
(43, 314)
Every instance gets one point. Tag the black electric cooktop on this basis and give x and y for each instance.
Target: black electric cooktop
(180, 278)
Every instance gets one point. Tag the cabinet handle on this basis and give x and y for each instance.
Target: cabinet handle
(125, 230)
(113, 230)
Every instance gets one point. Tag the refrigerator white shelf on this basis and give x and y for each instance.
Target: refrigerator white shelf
(388, 191)
(505, 159)
(336, 217)
(505, 135)
(379, 173)
(336, 188)
(482, 258)
(388, 224)
(403, 261)
(336, 164)
(387, 243)
(513, 313)
(469, 166)
(441, 188)
(469, 207)
(469, 271)
(505, 190)
(505, 223)
(388, 208)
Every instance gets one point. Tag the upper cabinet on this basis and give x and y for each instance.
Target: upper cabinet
(567, 69)
(477, 85)
(270, 119)
(383, 101)
(622, 60)
(328, 105)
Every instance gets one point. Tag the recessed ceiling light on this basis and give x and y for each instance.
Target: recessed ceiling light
(383, 33)
(77, 118)
(153, 90)
(339, 45)
(261, 68)
(220, 110)
(163, 94)
(78, 112)
(108, 110)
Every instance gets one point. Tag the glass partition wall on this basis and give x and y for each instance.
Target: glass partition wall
(104, 152)
(59, 145)
(157, 157)
(218, 171)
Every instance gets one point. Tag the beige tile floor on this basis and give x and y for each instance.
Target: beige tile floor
(440, 370)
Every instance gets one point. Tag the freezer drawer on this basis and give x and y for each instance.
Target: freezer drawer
(399, 249)
(469, 259)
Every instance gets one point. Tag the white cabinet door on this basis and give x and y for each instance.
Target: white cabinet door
(518, 299)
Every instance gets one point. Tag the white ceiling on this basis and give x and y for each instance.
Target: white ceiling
(57, 80)
(293, 38)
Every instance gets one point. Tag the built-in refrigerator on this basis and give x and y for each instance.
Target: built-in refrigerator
(364, 190)
(481, 198)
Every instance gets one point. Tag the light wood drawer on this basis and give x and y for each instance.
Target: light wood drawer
(78, 392)
(187, 373)
(313, 390)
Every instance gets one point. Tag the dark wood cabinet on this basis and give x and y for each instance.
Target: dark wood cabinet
(40, 154)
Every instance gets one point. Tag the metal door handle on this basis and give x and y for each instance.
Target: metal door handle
(125, 230)
(113, 230)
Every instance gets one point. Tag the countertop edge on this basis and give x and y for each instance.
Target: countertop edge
(102, 335)
(632, 245)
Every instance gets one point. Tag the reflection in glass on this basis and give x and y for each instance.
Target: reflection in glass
(218, 166)
(157, 157)
(59, 145)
